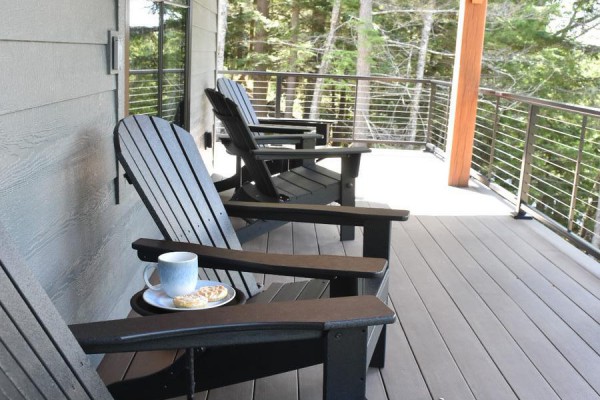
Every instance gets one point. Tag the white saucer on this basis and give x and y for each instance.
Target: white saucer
(158, 298)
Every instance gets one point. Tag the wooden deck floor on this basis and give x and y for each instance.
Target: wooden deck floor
(488, 308)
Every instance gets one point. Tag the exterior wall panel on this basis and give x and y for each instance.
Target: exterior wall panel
(58, 108)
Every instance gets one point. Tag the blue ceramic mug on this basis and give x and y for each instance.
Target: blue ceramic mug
(178, 273)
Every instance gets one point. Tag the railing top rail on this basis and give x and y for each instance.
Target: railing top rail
(591, 111)
(329, 76)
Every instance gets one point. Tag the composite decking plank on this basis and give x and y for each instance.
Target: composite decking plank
(354, 247)
(547, 268)
(556, 369)
(502, 291)
(554, 243)
(310, 382)
(578, 274)
(239, 391)
(439, 369)
(277, 387)
(375, 387)
(304, 238)
(280, 241)
(328, 237)
(401, 376)
(451, 302)
(491, 327)
(258, 244)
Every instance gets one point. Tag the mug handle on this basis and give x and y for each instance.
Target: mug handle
(147, 272)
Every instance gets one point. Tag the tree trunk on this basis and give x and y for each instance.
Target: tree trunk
(363, 68)
(260, 48)
(221, 34)
(290, 88)
(420, 72)
(325, 58)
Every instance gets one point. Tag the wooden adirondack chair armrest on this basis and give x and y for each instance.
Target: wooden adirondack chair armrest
(289, 129)
(356, 216)
(295, 121)
(308, 266)
(322, 126)
(377, 222)
(286, 138)
(303, 154)
(243, 324)
(276, 138)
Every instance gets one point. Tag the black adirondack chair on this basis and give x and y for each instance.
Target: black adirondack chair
(308, 184)
(42, 358)
(305, 134)
(163, 163)
(238, 94)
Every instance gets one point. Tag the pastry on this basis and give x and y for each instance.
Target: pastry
(213, 293)
(193, 300)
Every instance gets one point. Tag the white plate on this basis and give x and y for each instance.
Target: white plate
(158, 298)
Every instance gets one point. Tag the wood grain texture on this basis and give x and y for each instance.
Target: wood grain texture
(465, 90)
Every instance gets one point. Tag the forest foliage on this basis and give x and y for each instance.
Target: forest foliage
(542, 48)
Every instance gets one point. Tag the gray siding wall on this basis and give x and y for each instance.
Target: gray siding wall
(58, 108)
(203, 70)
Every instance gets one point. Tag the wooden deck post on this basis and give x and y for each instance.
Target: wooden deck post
(465, 89)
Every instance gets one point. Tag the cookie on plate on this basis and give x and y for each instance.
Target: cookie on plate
(193, 300)
(213, 293)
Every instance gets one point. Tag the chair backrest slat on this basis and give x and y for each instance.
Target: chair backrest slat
(237, 92)
(39, 357)
(166, 168)
(242, 138)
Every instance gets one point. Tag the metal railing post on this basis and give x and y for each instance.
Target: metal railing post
(493, 143)
(430, 111)
(525, 178)
(577, 174)
(278, 91)
(355, 107)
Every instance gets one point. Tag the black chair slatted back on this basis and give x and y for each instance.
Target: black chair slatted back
(236, 92)
(242, 138)
(39, 357)
(165, 166)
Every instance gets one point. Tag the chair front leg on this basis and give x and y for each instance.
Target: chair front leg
(345, 364)
(347, 191)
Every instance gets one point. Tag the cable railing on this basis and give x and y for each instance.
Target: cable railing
(542, 156)
(145, 92)
(376, 110)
